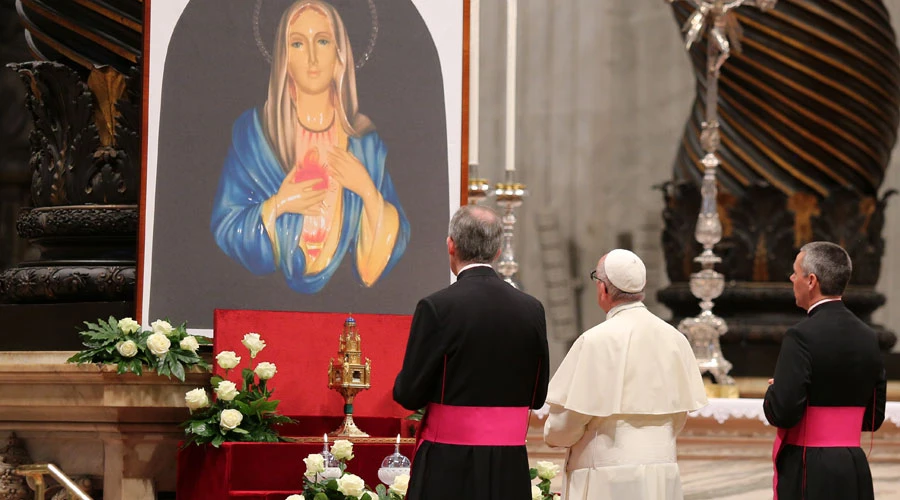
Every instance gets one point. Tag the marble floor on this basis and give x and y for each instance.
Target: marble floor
(752, 480)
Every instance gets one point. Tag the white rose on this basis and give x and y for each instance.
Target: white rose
(227, 360)
(556, 496)
(294, 497)
(547, 470)
(351, 485)
(265, 370)
(315, 464)
(127, 349)
(230, 419)
(158, 343)
(160, 326)
(129, 325)
(253, 343)
(189, 343)
(226, 390)
(196, 399)
(400, 485)
(536, 493)
(342, 449)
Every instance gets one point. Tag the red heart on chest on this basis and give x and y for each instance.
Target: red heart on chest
(311, 168)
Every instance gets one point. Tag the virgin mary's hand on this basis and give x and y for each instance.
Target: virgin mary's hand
(350, 173)
(299, 197)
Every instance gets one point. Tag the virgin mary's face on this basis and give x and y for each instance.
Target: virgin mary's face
(311, 52)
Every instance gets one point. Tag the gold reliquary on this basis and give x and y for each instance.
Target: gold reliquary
(348, 375)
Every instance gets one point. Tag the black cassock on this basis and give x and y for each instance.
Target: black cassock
(477, 343)
(831, 359)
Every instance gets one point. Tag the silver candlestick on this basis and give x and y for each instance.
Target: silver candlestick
(509, 195)
(479, 188)
(703, 331)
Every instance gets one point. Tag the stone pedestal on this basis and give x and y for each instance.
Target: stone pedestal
(91, 421)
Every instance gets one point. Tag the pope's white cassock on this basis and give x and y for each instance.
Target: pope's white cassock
(619, 400)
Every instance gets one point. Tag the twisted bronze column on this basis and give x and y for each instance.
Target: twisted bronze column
(809, 105)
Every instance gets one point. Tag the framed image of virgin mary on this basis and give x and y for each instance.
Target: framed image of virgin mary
(302, 155)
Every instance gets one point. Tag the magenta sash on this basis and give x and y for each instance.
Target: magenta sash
(820, 427)
(475, 425)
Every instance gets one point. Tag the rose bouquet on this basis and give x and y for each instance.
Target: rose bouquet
(545, 471)
(245, 414)
(328, 479)
(168, 350)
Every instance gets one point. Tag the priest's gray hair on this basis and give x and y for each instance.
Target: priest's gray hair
(830, 263)
(476, 232)
(615, 294)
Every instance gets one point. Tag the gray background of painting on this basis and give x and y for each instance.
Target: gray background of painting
(213, 73)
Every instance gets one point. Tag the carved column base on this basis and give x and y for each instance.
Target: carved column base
(758, 315)
(87, 254)
(62, 283)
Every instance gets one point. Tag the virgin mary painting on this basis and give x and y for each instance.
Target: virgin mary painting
(304, 183)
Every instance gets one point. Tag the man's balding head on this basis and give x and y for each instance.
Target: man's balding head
(476, 233)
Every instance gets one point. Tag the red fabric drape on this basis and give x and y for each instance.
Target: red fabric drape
(264, 471)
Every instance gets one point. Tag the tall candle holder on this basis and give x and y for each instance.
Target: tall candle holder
(703, 331)
(479, 188)
(349, 376)
(509, 195)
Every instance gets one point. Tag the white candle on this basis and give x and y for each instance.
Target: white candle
(325, 437)
(511, 15)
(474, 57)
(398, 438)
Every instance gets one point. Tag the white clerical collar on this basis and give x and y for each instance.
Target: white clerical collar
(470, 266)
(821, 302)
(624, 307)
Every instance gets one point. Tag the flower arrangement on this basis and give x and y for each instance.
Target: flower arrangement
(166, 349)
(247, 414)
(545, 471)
(323, 481)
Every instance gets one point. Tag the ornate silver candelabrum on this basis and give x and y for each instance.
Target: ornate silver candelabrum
(704, 330)
(716, 19)
(509, 195)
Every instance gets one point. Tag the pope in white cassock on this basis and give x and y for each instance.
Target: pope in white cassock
(622, 394)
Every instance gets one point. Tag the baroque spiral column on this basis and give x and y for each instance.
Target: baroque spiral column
(809, 106)
(85, 99)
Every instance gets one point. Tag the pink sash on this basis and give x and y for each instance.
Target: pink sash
(820, 427)
(475, 425)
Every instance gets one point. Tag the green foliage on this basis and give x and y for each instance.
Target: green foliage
(259, 418)
(328, 490)
(103, 339)
(417, 416)
(543, 485)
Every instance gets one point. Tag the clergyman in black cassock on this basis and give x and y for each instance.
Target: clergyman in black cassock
(477, 358)
(829, 386)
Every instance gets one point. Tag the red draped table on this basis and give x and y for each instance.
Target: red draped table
(267, 471)
(302, 345)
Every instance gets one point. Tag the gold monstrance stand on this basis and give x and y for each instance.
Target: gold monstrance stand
(348, 375)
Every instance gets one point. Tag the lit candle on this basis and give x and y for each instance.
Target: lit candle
(325, 437)
(511, 15)
(474, 57)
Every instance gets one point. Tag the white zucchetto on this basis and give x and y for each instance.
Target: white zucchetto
(625, 270)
